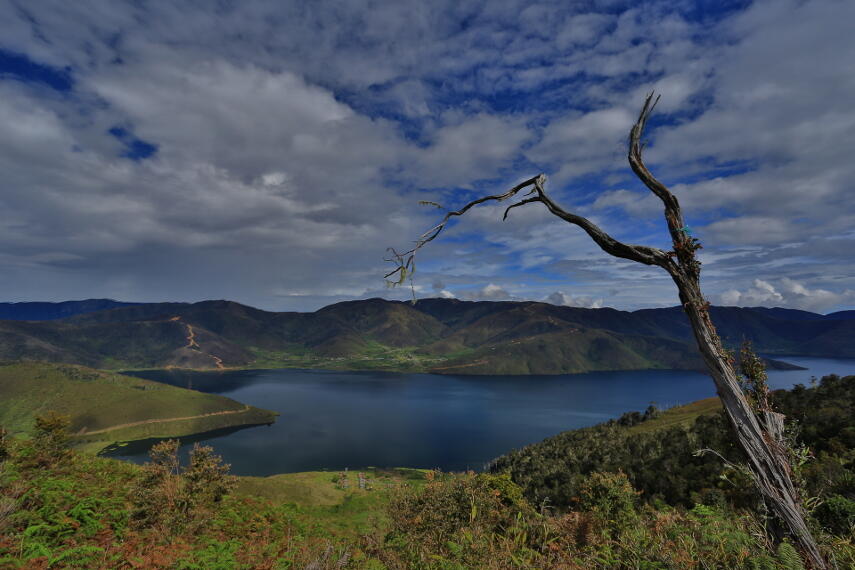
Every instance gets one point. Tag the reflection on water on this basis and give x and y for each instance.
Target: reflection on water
(332, 420)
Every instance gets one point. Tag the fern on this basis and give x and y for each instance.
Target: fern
(78, 556)
(789, 557)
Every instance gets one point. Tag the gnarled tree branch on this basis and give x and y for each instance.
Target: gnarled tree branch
(405, 261)
(640, 253)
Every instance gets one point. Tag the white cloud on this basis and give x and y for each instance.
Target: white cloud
(490, 292)
(584, 144)
(439, 290)
(563, 299)
(787, 293)
(480, 146)
(752, 230)
(637, 204)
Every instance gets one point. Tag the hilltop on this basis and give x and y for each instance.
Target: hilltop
(43, 311)
(445, 336)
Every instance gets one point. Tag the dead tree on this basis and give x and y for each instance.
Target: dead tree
(759, 438)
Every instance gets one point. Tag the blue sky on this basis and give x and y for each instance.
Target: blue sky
(269, 152)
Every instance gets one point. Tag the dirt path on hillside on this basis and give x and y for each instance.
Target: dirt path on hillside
(158, 421)
(191, 338)
(193, 345)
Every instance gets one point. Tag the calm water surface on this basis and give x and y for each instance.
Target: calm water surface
(332, 420)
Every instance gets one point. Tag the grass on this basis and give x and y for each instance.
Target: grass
(678, 415)
(323, 502)
(120, 408)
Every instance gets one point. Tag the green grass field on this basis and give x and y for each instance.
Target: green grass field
(678, 415)
(105, 407)
(324, 502)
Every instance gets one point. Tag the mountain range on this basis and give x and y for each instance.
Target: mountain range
(436, 335)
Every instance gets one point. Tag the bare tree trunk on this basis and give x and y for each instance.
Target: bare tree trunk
(767, 460)
(762, 444)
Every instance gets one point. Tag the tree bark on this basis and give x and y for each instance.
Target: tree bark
(767, 460)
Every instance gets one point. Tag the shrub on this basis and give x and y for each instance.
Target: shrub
(50, 441)
(837, 514)
(463, 518)
(458, 522)
(171, 498)
(788, 557)
(206, 479)
(157, 492)
(611, 498)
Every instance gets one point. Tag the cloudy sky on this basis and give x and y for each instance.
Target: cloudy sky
(269, 152)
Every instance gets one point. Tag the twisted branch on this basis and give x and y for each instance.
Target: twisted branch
(405, 261)
(673, 213)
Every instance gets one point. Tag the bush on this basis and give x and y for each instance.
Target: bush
(461, 518)
(81, 516)
(50, 441)
(611, 498)
(206, 479)
(171, 498)
(837, 514)
(157, 492)
(459, 522)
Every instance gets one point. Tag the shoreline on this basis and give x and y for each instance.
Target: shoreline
(172, 428)
(772, 364)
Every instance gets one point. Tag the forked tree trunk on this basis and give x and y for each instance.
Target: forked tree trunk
(762, 444)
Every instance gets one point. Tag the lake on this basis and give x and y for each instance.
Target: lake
(332, 419)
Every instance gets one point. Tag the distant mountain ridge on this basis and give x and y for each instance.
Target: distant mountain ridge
(46, 311)
(439, 335)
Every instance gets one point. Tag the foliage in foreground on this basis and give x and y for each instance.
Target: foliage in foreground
(62, 509)
(482, 521)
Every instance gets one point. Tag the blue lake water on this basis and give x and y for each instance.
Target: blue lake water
(332, 420)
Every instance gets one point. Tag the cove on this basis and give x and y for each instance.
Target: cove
(333, 419)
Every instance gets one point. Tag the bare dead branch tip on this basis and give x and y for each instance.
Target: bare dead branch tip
(405, 262)
(518, 204)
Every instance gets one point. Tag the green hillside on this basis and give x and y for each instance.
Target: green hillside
(106, 407)
(657, 450)
(433, 335)
(569, 352)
